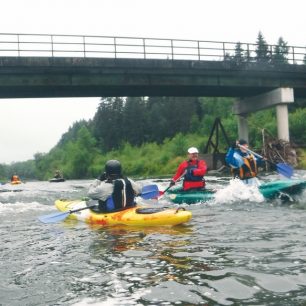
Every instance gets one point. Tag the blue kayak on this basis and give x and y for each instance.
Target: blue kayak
(270, 190)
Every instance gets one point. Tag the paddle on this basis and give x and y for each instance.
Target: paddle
(60, 216)
(147, 192)
(161, 193)
(282, 168)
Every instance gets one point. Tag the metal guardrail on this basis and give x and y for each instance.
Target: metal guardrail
(46, 45)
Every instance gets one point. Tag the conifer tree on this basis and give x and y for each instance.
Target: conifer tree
(107, 123)
(263, 54)
(134, 121)
(239, 54)
(280, 52)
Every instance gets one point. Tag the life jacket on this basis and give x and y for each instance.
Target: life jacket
(190, 177)
(192, 181)
(248, 169)
(123, 196)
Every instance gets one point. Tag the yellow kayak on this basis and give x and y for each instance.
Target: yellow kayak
(135, 216)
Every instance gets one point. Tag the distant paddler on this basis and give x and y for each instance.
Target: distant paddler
(15, 179)
(58, 174)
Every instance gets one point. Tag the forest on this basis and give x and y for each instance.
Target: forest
(150, 135)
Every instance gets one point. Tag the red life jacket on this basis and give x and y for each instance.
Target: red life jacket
(193, 181)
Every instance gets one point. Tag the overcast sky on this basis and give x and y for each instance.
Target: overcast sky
(28, 126)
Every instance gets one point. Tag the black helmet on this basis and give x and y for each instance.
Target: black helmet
(113, 168)
(242, 142)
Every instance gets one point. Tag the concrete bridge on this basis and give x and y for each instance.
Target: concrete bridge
(86, 66)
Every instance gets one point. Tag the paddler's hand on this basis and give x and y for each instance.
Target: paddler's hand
(172, 183)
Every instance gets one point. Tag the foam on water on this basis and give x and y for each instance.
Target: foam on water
(21, 207)
(121, 300)
(237, 191)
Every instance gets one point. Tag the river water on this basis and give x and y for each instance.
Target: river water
(237, 250)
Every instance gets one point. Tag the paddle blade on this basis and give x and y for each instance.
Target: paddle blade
(149, 192)
(53, 218)
(284, 170)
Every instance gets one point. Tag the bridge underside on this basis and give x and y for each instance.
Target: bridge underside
(36, 77)
(124, 91)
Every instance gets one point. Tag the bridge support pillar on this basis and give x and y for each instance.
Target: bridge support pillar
(279, 97)
(243, 127)
(282, 122)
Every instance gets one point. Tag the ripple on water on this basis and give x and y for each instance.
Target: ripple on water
(233, 252)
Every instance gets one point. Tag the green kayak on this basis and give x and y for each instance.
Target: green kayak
(271, 190)
(274, 189)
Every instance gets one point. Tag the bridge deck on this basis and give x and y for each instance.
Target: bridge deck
(24, 77)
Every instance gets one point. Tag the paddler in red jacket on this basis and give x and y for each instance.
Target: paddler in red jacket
(193, 171)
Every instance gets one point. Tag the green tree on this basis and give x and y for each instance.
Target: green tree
(239, 57)
(80, 154)
(73, 130)
(134, 121)
(263, 54)
(178, 112)
(298, 126)
(170, 115)
(107, 123)
(280, 52)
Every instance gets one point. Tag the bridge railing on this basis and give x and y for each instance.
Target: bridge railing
(143, 48)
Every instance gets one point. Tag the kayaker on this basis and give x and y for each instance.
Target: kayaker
(193, 169)
(58, 174)
(15, 178)
(244, 165)
(112, 190)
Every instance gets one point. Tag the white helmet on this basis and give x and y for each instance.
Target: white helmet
(193, 150)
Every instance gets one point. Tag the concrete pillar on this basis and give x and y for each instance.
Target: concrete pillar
(243, 127)
(282, 121)
(280, 98)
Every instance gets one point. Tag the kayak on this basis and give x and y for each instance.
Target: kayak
(136, 216)
(270, 190)
(179, 196)
(57, 180)
(275, 189)
(15, 182)
(10, 190)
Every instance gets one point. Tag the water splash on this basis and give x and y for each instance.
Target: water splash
(237, 191)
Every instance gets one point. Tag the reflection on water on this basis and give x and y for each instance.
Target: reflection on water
(237, 250)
